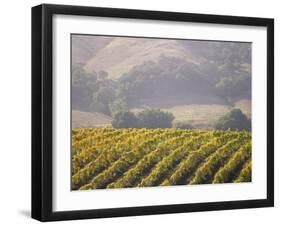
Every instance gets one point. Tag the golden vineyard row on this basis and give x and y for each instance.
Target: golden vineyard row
(119, 158)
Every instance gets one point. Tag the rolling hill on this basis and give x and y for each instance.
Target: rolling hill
(197, 81)
(84, 47)
(122, 54)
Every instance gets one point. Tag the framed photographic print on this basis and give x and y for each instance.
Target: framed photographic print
(145, 112)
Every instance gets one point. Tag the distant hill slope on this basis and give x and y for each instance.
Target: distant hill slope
(84, 47)
(245, 105)
(122, 54)
(197, 81)
(82, 119)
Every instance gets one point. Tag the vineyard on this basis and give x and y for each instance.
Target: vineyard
(121, 158)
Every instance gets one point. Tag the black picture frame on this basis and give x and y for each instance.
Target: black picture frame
(42, 111)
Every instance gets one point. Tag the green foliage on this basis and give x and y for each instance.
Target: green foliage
(133, 176)
(125, 120)
(120, 158)
(150, 118)
(245, 174)
(124, 162)
(105, 95)
(108, 153)
(92, 91)
(168, 163)
(225, 73)
(233, 120)
(230, 171)
(82, 149)
(117, 106)
(168, 76)
(231, 87)
(102, 100)
(102, 75)
(83, 85)
(155, 118)
(187, 167)
(206, 172)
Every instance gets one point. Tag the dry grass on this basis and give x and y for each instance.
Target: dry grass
(90, 119)
(122, 54)
(245, 106)
(198, 115)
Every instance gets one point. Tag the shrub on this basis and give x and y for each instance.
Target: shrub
(233, 120)
(125, 120)
(155, 118)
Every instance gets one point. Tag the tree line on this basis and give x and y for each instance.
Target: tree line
(155, 118)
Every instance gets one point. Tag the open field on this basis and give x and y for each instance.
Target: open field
(82, 119)
(121, 158)
(198, 115)
(202, 115)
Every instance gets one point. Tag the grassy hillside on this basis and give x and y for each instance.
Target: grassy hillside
(84, 47)
(122, 54)
(90, 119)
(120, 158)
(197, 81)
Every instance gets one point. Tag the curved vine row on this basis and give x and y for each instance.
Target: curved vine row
(205, 173)
(246, 173)
(121, 158)
(188, 166)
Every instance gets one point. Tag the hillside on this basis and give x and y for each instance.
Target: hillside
(89, 119)
(197, 81)
(122, 54)
(84, 47)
